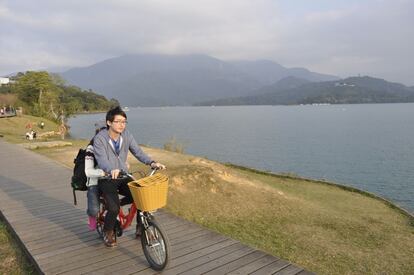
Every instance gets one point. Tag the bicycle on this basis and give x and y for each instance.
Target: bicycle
(154, 240)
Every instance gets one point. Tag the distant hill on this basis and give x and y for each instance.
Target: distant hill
(269, 72)
(159, 80)
(346, 91)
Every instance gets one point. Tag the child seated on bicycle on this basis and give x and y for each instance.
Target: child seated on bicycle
(92, 173)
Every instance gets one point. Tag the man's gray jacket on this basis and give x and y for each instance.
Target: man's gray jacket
(106, 156)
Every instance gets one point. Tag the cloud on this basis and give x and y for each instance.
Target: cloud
(373, 36)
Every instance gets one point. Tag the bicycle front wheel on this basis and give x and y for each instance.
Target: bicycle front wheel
(156, 245)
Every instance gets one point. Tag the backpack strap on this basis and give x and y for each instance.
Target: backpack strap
(74, 197)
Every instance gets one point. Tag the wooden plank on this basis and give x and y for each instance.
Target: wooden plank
(30, 192)
(26, 203)
(52, 236)
(84, 264)
(244, 250)
(211, 252)
(245, 260)
(52, 229)
(73, 247)
(54, 218)
(110, 257)
(46, 222)
(80, 233)
(92, 251)
(289, 270)
(205, 242)
(28, 195)
(271, 268)
(64, 242)
(197, 241)
(50, 213)
(127, 254)
(130, 266)
(254, 266)
(13, 204)
(71, 239)
(205, 254)
(33, 195)
(49, 230)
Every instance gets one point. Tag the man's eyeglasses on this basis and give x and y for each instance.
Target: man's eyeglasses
(120, 122)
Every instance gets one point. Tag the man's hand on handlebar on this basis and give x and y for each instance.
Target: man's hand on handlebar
(115, 173)
(158, 166)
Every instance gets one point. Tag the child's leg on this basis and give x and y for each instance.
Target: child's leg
(93, 205)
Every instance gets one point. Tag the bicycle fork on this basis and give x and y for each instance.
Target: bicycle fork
(150, 233)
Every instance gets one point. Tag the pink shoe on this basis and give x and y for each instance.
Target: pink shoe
(92, 223)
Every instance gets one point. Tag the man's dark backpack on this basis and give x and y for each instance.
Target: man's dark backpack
(79, 178)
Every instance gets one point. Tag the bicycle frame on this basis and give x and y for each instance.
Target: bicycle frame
(126, 219)
(154, 241)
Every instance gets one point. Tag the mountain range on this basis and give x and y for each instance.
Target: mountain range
(294, 91)
(183, 80)
(161, 80)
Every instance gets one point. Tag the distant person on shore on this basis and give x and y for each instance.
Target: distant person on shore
(31, 135)
(42, 125)
(29, 125)
(62, 130)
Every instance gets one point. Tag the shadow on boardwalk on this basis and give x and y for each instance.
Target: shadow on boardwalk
(49, 220)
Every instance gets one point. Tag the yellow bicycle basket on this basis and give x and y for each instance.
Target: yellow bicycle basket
(150, 193)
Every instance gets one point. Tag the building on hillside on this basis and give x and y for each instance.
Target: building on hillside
(4, 80)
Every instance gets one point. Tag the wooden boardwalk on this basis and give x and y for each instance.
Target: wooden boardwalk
(37, 203)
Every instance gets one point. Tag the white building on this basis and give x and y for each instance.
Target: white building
(4, 80)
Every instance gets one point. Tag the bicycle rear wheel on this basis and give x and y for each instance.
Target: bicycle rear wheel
(100, 220)
(156, 245)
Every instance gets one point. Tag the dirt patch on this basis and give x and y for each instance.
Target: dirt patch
(202, 162)
(177, 182)
(45, 144)
(236, 179)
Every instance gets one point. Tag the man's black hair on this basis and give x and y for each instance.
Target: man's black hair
(110, 115)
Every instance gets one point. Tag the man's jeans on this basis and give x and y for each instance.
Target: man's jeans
(93, 201)
(110, 189)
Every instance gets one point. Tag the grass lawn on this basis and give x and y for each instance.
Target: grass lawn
(14, 129)
(12, 259)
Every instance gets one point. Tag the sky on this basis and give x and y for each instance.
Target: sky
(339, 37)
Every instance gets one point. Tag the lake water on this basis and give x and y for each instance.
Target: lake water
(370, 147)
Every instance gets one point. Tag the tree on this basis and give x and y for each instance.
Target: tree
(47, 95)
(37, 89)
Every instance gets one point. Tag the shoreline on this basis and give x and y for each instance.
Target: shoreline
(390, 203)
(90, 113)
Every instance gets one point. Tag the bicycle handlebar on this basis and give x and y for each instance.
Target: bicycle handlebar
(123, 175)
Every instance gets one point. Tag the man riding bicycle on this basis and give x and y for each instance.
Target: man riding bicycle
(111, 147)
